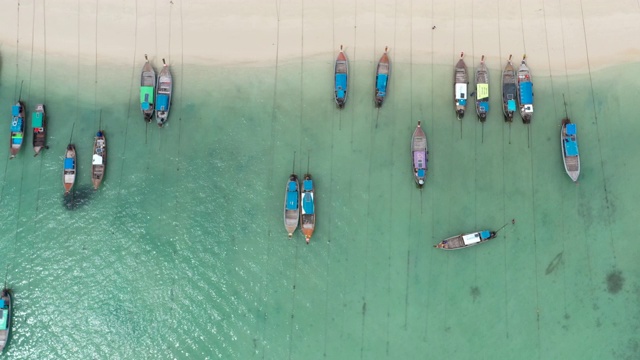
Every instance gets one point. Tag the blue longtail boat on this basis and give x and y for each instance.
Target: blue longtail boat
(292, 204)
(6, 315)
(569, 144)
(382, 78)
(466, 240)
(163, 94)
(341, 79)
(525, 92)
(308, 218)
(17, 129)
(69, 171)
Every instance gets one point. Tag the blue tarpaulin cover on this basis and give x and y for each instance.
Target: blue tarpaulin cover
(16, 139)
(511, 105)
(571, 147)
(381, 83)
(341, 81)
(3, 319)
(420, 172)
(526, 92)
(571, 129)
(484, 105)
(16, 124)
(68, 163)
(485, 234)
(1, 303)
(307, 185)
(462, 102)
(341, 94)
(292, 195)
(15, 110)
(307, 203)
(162, 102)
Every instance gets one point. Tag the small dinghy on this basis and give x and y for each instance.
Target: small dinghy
(419, 155)
(39, 125)
(341, 79)
(461, 81)
(382, 78)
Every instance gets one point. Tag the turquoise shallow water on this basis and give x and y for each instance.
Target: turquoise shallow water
(182, 253)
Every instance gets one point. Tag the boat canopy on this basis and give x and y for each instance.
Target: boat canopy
(526, 92)
(69, 164)
(4, 319)
(36, 120)
(341, 81)
(461, 91)
(482, 91)
(571, 147)
(307, 203)
(2, 305)
(163, 102)
(420, 172)
(471, 239)
(483, 106)
(15, 110)
(292, 196)
(419, 159)
(381, 84)
(16, 139)
(571, 129)
(97, 160)
(16, 124)
(307, 185)
(485, 234)
(511, 105)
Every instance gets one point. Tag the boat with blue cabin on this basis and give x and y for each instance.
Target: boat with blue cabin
(17, 129)
(482, 91)
(419, 155)
(382, 78)
(341, 79)
(466, 240)
(525, 91)
(460, 83)
(509, 91)
(6, 315)
(147, 90)
(69, 171)
(39, 125)
(308, 218)
(292, 205)
(163, 94)
(99, 159)
(569, 144)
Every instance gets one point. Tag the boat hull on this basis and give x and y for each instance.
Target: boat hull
(69, 169)
(147, 91)
(419, 155)
(460, 91)
(16, 135)
(382, 79)
(509, 92)
(164, 91)
(466, 240)
(39, 124)
(482, 92)
(5, 334)
(99, 159)
(571, 161)
(307, 208)
(292, 205)
(341, 77)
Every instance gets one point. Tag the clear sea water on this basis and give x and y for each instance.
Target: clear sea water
(182, 252)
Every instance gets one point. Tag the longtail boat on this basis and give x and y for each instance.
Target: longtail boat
(163, 94)
(341, 79)
(482, 91)
(17, 129)
(509, 91)
(308, 218)
(6, 315)
(39, 125)
(99, 159)
(525, 91)
(569, 144)
(461, 80)
(147, 89)
(466, 240)
(382, 78)
(291, 205)
(69, 172)
(419, 155)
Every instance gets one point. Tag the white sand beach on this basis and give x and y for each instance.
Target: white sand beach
(557, 36)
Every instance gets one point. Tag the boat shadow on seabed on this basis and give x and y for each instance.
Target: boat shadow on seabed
(78, 197)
